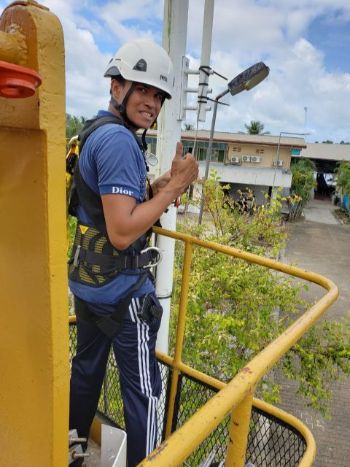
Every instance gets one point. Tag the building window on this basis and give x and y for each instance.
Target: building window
(201, 154)
(187, 146)
(217, 155)
(218, 149)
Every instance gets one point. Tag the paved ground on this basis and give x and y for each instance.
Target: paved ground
(322, 245)
(321, 211)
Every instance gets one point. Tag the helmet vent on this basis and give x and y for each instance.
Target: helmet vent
(141, 65)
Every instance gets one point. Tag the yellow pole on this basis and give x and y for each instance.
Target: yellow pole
(179, 336)
(33, 299)
(13, 46)
(239, 430)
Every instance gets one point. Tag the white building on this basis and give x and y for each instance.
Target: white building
(259, 162)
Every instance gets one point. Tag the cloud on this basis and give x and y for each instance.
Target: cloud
(275, 31)
(244, 32)
(128, 20)
(86, 89)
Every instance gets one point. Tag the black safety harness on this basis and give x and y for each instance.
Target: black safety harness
(94, 261)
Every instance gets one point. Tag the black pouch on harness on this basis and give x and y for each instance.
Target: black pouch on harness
(150, 308)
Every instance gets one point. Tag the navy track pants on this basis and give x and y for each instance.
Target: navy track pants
(134, 350)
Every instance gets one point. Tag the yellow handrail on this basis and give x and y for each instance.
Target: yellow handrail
(236, 395)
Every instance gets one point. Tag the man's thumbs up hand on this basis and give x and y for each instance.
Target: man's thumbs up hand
(184, 170)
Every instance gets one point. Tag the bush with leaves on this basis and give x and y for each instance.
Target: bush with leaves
(235, 308)
(343, 177)
(302, 184)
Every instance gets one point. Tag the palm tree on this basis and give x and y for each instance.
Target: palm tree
(256, 128)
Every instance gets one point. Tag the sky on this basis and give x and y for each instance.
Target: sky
(305, 43)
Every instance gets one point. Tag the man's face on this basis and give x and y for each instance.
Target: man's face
(143, 105)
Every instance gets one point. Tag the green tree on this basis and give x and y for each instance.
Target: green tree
(302, 184)
(73, 125)
(343, 176)
(256, 128)
(236, 308)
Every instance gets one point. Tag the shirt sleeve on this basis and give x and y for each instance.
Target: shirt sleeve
(118, 162)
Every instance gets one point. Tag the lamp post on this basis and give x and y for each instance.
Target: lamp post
(278, 151)
(242, 82)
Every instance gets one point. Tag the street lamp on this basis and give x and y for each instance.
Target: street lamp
(278, 151)
(244, 81)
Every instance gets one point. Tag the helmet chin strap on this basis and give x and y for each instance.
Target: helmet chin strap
(121, 108)
(118, 107)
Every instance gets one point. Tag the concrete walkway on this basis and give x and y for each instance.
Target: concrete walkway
(320, 211)
(322, 245)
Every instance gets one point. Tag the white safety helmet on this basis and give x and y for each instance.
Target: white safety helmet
(143, 61)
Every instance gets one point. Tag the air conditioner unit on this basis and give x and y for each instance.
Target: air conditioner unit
(278, 163)
(246, 158)
(234, 159)
(255, 159)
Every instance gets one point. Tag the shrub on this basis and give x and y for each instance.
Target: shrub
(235, 308)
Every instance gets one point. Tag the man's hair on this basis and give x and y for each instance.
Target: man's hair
(120, 80)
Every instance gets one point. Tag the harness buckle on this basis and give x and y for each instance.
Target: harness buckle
(156, 259)
(76, 256)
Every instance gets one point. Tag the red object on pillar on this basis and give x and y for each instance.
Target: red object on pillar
(17, 81)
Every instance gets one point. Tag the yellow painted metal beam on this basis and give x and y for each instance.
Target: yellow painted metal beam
(33, 299)
(310, 453)
(236, 396)
(179, 336)
(252, 258)
(239, 431)
(280, 414)
(181, 443)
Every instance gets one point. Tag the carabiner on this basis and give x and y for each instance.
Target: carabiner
(159, 256)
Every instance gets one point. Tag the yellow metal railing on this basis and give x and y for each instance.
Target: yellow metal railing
(236, 397)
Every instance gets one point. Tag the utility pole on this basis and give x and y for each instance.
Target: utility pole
(169, 133)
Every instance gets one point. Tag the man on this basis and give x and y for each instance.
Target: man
(114, 294)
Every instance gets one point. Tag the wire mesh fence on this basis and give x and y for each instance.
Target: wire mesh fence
(191, 395)
(271, 441)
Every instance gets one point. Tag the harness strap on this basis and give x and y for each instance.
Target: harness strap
(120, 262)
(94, 261)
(94, 123)
(81, 193)
(111, 324)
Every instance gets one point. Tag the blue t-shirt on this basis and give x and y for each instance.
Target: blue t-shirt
(111, 162)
